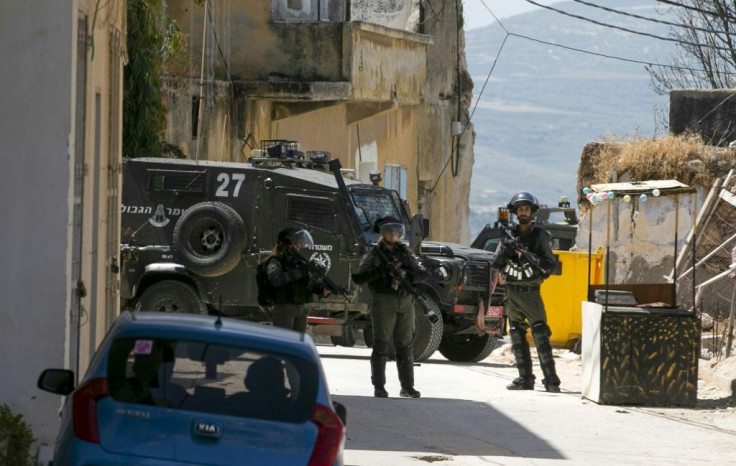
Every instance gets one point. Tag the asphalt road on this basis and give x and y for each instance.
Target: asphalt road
(467, 417)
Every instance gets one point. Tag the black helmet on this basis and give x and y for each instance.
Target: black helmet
(296, 236)
(523, 198)
(391, 224)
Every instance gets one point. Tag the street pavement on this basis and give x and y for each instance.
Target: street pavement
(466, 417)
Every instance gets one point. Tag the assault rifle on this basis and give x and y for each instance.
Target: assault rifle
(320, 274)
(532, 262)
(399, 277)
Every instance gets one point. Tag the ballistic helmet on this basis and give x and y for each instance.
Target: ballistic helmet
(296, 236)
(390, 225)
(523, 198)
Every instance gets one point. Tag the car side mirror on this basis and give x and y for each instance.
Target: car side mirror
(59, 381)
(342, 412)
(419, 231)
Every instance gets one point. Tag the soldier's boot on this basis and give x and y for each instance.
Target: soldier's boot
(405, 366)
(523, 357)
(541, 334)
(378, 368)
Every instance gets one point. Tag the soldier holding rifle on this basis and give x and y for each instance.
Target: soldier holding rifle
(524, 260)
(386, 268)
(292, 279)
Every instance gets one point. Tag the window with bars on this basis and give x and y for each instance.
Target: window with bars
(180, 181)
(316, 212)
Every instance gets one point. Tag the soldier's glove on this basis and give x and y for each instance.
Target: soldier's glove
(320, 267)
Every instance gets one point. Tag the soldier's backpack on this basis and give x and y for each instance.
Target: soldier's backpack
(266, 291)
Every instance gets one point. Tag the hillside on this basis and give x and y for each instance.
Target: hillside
(542, 103)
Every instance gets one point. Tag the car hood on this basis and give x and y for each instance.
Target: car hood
(434, 248)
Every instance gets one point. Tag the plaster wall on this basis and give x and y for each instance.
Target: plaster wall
(640, 235)
(693, 111)
(38, 43)
(35, 147)
(393, 14)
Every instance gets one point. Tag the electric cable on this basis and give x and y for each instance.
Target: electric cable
(434, 185)
(654, 20)
(621, 28)
(699, 10)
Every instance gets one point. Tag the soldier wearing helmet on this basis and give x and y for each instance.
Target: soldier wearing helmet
(392, 309)
(294, 287)
(524, 304)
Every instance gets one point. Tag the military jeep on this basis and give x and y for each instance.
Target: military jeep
(193, 233)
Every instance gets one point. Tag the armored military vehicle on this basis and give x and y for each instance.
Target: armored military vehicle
(193, 233)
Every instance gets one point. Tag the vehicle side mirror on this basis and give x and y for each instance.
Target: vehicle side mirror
(417, 232)
(59, 381)
(342, 412)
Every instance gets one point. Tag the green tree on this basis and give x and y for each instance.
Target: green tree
(151, 38)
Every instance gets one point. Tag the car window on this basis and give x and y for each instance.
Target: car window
(376, 205)
(211, 378)
(491, 244)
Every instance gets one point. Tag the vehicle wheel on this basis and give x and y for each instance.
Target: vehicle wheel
(209, 238)
(368, 336)
(427, 335)
(467, 348)
(171, 296)
(348, 337)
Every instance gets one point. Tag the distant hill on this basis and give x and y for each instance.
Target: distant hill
(543, 103)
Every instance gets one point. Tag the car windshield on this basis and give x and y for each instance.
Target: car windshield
(212, 378)
(372, 205)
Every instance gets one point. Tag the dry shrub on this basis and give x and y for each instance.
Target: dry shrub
(654, 159)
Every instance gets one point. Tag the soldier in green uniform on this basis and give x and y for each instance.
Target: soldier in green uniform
(294, 286)
(392, 309)
(523, 274)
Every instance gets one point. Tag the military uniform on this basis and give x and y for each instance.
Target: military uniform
(524, 305)
(392, 313)
(294, 289)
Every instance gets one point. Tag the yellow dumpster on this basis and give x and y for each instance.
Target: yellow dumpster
(563, 295)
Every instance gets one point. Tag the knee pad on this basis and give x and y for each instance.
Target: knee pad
(517, 332)
(380, 348)
(541, 328)
(404, 354)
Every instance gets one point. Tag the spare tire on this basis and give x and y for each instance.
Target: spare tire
(209, 238)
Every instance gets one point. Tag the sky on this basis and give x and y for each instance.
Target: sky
(477, 15)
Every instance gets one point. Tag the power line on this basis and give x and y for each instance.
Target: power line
(597, 54)
(654, 20)
(612, 57)
(494, 16)
(699, 10)
(434, 185)
(632, 31)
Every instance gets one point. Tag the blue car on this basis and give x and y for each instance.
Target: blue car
(189, 389)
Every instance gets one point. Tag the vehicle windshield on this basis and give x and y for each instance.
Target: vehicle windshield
(211, 378)
(372, 205)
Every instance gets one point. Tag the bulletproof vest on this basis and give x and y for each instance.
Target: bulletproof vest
(398, 255)
(297, 292)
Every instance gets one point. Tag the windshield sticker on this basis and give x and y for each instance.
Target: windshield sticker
(143, 347)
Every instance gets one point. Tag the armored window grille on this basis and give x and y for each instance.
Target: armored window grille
(178, 181)
(311, 211)
(477, 276)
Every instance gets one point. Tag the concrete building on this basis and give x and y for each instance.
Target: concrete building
(377, 84)
(60, 147)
